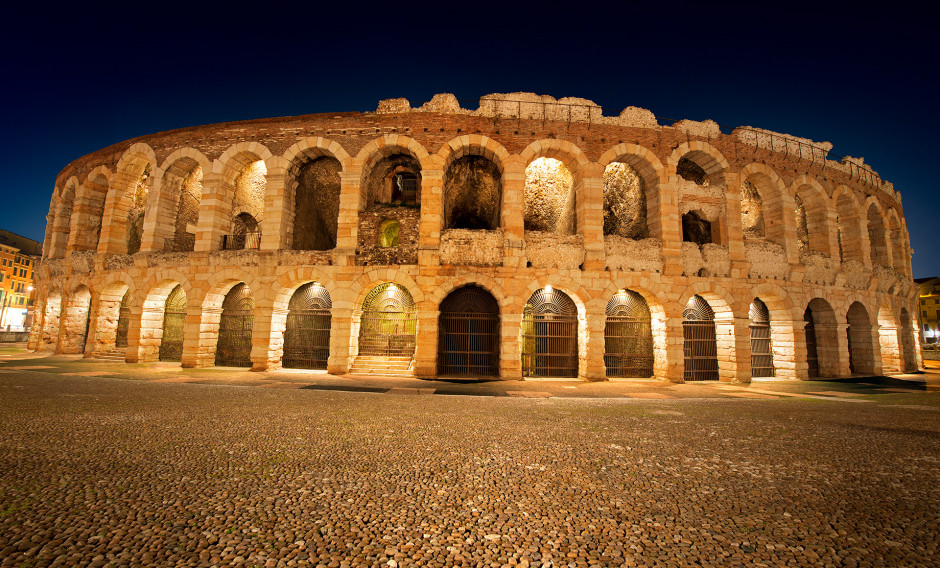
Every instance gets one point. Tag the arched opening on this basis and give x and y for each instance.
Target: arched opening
(307, 334)
(700, 348)
(395, 180)
(174, 321)
(908, 352)
(187, 213)
(75, 322)
(247, 208)
(549, 335)
(89, 209)
(235, 324)
(628, 336)
(696, 229)
(316, 204)
(762, 355)
(135, 216)
(752, 212)
(61, 222)
(899, 253)
(802, 225)
(822, 344)
(473, 193)
(123, 322)
(877, 237)
(812, 220)
(468, 333)
(388, 326)
(861, 348)
(691, 171)
(624, 202)
(549, 198)
(849, 235)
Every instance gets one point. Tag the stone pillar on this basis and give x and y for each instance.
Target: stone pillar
(50, 325)
(842, 339)
(347, 223)
(134, 335)
(432, 213)
(200, 334)
(261, 356)
(85, 224)
(159, 214)
(732, 235)
(512, 213)
(510, 353)
(341, 343)
(149, 333)
(591, 216)
(425, 365)
(215, 210)
(668, 349)
(592, 366)
(670, 227)
(35, 330)
(878, 368)
(890, 343)
(735, 365)
(788, 343)
(276, 226)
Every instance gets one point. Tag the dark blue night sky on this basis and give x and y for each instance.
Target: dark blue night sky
(864, 79)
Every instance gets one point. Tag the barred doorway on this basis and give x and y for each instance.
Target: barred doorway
(307, 335)
(549, 335)
(174, 318)
(812, 354)
(699, 346)
(628, 337)
(389, 322)
(762, 355)
(468, 333)
(233, 348)
(123, 322)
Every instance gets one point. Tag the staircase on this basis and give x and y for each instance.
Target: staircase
(388, 366)
(113, 355)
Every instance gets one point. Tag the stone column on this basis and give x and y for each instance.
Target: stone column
(262, 358)
(592, 367)
(668, 349)
(737, 361)
(215, 210)
(432, 213)
(890, 342)
(842, 340)
(510, 353)
(200, 334)
(150, 334)
(788, 339)
(425, 365)
(591, 216)
(512, 213)
(732, 235)
(133, 335)
(347, 223)
(878, 368)
(276, 225)
(35, 330)
(670, 228)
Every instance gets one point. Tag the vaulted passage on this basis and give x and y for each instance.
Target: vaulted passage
(135, 216)
(468, 333)
(549, 197)
(123, 323)
(861, 353)
(549, 335)
(822, 346)
(762, 355)
(174, 318)
(307, 334)
(316, 204)
(812, 354)
(389, 322)
(628, 338)
(472, 194)
(624, 202)
(235, 325)
(699, 346)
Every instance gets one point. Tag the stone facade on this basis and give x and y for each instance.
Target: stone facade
(824, 235)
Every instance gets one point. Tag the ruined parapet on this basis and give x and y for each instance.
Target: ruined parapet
(82, 262)
(886, 278)
(767, 259)
(643, 255)
(547, 250)
(472, 248)
(803, 148)
(705, 128)
(855, 275)
(819, 268)
(709, 260)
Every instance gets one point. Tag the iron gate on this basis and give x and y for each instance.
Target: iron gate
(389, 323)
(307, 335)
(123, 322)
(762, 355)
(628, 338)
(549, 335)
(174, 317)
(468, 333)
(812, 355)
(233, 348)
(699, 345)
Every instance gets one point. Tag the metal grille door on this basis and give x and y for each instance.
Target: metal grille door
(468, 333)
(389, 322)
(762, 355)
(174, 317)
(124, 320)
(628, 338)
(549, 335)
(699, 345)
(812, 355)
(234, 345)
(307, 335)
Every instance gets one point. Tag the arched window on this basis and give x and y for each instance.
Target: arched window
(389, 230)
(316, 204)
(752, 212)
(135, 217)
(472, 194)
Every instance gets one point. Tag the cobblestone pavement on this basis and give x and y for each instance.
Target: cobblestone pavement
(99, 470)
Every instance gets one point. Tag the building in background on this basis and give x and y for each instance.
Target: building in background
(18, 257)
(929, 308)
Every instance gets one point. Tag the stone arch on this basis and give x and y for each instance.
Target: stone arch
(468, 333)
(74, 326)
(555, 206)
(549, 335)
(236, 324)
(877, 233)
(773, 198)
(306, 328)
(176, 208)
(123, 220)
(701, 192)
(113, 294)
(488, 283)
(312, 192)
(652, 173)
(63, 204)
(387, 325)
(473, 182)
(813, 216)
(821, 337)
(153, 322)
(659, 317)
(716, 297)
(577, 293)
(628, 336)
(381, 167)
(899, 251)
(87, 214)
(703, 155)
(785, 343)
(849, 228)
(860, 340)
(242, 186)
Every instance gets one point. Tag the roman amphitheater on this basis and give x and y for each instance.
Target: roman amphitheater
(530, 237)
